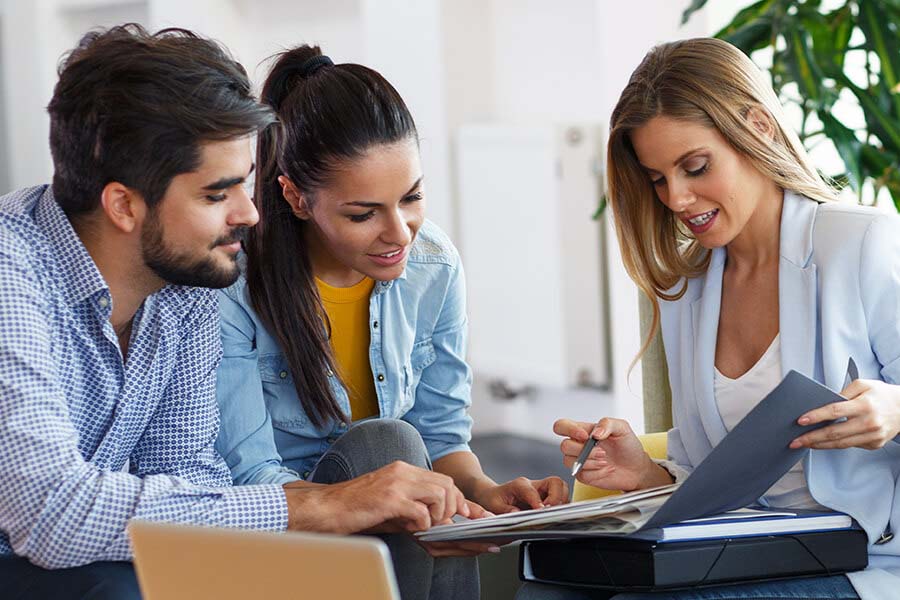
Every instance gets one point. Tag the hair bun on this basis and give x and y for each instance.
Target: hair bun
(296, 64)
(313, 64)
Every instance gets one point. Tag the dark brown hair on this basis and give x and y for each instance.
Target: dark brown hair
(134, 107)
(328, 114)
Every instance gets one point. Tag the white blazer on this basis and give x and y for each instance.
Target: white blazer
(839, 297)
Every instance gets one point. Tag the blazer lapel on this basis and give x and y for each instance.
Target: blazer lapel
(705, 320)
(797, 302)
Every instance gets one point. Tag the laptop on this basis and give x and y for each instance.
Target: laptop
(175, 562)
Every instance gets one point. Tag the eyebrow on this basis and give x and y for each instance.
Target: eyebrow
(227, 182)
(678, 160)
(365, 204)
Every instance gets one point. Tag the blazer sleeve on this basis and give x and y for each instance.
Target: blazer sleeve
(879, 284)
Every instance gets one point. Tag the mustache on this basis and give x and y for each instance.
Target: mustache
(235, 235)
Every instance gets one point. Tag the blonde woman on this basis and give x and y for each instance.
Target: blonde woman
(753, 270)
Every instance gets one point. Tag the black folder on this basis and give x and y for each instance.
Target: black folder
(619, 564)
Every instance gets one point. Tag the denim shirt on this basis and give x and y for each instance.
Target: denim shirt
(418, 330)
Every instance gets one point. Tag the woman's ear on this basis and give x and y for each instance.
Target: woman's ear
(296, 199)
(761, 121)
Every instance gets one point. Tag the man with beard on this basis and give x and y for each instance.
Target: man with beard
(108, 347)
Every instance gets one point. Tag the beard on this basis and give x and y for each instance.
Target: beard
(180, 268)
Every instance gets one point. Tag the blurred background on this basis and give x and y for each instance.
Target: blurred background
(511, 98)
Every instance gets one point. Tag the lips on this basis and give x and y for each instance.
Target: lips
(700, 222)
(390, 258)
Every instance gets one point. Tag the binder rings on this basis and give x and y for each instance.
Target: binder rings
(622, 563)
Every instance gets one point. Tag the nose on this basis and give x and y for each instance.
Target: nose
(397, 230)
(243, 213)
(680, 196)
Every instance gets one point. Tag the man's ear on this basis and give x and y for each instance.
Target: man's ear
(124, 207)
(760, 119)
(295, 198)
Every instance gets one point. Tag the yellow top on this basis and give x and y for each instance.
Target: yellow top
(348, 312)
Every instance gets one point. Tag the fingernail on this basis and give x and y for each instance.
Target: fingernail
(795, 444)
(803, 420)
(494, 549)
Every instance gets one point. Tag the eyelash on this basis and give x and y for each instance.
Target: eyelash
(701, 171)
(217, 197)
(366, 216)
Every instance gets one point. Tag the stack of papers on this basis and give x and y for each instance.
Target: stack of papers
(622, 514)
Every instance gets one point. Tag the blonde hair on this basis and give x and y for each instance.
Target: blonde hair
(712, 83)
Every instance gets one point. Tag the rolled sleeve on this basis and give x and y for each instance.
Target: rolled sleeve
(444, 391)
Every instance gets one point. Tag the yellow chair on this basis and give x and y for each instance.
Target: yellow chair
(654, 444)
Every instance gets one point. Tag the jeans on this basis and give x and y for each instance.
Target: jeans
(809, 588)
(370, 445)
(21, 580)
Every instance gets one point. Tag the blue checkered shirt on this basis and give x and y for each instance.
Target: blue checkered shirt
(86, 442)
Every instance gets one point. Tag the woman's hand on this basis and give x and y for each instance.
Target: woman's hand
(522, 493)
(617, 462)
(872, 413)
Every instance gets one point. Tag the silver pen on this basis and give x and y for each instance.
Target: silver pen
(585, 452)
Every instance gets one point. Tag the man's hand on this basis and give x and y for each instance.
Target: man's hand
(396, 497)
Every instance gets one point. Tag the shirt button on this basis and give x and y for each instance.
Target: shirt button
(104, 301)
(375, 324)
(343, 425)
(283, 374)
(330, 373)
(380, 377)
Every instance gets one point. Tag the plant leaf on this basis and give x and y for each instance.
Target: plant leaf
(601, 207)
(847, 145)
(690, 10)
(880, 123)
(746, 16)
(881, 40)
(831, 37)
(803, 67)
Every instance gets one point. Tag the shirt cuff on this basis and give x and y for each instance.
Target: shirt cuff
(677, 472)
(259, 507)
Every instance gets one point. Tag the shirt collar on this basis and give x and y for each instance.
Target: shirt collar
(77, 269)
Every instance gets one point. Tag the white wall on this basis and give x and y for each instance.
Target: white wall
(454, 61)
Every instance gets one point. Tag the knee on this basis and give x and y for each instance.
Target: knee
(384, 441)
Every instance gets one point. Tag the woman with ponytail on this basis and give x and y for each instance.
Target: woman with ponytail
(344, 344)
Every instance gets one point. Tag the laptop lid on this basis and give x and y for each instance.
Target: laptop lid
(175, 562)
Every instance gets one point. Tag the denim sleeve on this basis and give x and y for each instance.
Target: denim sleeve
(444, 392)
(246, 439)
(58, 509)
